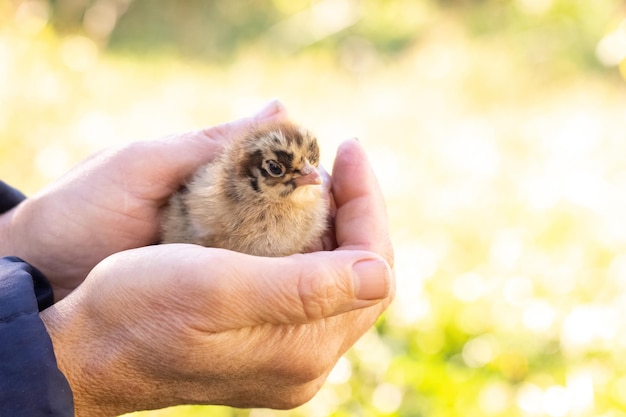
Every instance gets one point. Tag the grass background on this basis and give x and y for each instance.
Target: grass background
(496, 128)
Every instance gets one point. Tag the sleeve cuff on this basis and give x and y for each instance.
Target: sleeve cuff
(31, 383)
(9, 197)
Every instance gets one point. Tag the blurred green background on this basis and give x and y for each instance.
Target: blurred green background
(497, 129)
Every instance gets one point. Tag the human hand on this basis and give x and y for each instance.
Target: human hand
(110, 202)
(182, 324)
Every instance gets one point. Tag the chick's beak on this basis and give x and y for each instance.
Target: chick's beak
(310, 176)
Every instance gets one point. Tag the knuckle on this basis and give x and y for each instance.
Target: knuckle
(309, 360)
(297, 396)
(384, 249)
(298, 385)
(319, 294)
(308, 371)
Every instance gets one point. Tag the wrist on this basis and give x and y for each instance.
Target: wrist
(104, 380)
(21, 236)
(70, 349)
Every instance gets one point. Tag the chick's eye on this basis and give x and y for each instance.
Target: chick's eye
(274, 168)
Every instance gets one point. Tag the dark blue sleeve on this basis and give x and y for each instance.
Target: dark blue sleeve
(30, 382)
(9, 197)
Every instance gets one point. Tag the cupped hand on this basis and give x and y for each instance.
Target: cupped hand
(182, 324)
(111, 202)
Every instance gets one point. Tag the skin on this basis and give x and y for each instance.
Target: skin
(118, 192)
(175, 324)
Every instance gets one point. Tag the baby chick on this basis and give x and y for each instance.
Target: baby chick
(262, 196)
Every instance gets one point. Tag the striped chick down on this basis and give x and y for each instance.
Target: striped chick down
(262, 196)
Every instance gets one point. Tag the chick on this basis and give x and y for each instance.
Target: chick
(262, 196)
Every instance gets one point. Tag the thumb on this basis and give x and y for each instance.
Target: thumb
(183, 153)
(273, 110)
(300, 288)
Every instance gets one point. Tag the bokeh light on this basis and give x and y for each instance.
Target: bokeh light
(496, 130)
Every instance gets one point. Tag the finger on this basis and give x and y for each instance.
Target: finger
(247, 291)
(209, 141)
(361, 218)
(328, 240)
(274, 110)
(178, 156)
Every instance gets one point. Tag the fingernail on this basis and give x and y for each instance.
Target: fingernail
(371, 279)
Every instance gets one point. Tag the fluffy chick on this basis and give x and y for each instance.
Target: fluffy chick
(262, 196)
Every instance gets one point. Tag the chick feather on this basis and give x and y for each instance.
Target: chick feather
(263, 195)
